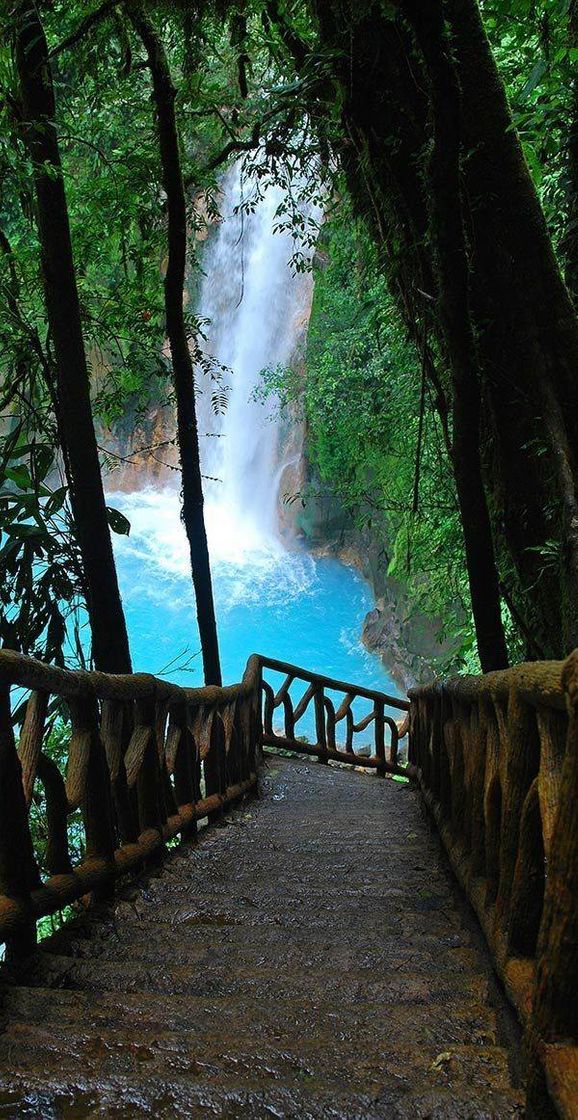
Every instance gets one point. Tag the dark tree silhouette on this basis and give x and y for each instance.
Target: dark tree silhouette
(183, 374)
(110, 648)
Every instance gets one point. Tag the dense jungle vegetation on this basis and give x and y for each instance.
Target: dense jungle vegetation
(439, 143)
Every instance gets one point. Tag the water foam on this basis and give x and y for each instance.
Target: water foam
(246, 567)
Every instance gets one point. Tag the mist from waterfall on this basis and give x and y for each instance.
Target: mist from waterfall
(256, 308)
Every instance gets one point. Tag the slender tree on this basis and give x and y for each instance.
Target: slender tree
(110, 648)
(164, 94)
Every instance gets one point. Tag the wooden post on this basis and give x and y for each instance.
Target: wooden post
(527, 896)
(288, 717)
(330, 710)
(320, 724)
(94, 794)
(521, 748)
(144, 750)
(478, 844)
(97, 801)
(31, 740)
(18, 868)
(380, 738)
(255, 744)
(269, 697)
(214, 765)
(115, 730)
(556, 1002)
(184, 767)
(56, 857)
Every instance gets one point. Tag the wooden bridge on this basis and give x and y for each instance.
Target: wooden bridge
(315, 957)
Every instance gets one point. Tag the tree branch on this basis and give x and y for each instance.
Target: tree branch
(85, 26)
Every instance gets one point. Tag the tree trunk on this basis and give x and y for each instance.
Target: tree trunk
(385, 119)
(110, 649)
(164, 98)
(524, 325)
(452, 270)
(529, 341)
(570, 241)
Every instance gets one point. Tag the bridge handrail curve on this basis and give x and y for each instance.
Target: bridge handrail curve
(496, 758)
(140, 751)
(384, 758)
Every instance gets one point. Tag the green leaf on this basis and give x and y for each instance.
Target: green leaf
(56, 501)
(20, 476)
(118, 522)
(26, 531)
(536, 74)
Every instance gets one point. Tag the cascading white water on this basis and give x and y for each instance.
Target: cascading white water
(255, 307)
(286, 604)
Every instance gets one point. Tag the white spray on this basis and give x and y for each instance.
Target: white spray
(255, 306)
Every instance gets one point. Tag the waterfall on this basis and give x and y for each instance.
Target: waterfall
(255, 308)
(282, 602)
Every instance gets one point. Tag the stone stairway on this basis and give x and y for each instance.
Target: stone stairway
(310, 959)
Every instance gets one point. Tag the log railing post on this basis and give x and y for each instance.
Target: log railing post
(521, 750)
(18, 869)
(56, 855)
(380, 739)
(142, 752)
(478, 848)
(556, 1001)
(97, 801)
(215, 766)
(31, 740)
(320, 732)
(268, 707)
(182, 760)
(115, 730)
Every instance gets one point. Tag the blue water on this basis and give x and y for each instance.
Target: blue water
(283, 604)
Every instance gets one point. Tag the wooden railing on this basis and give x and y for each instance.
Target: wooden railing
(144, 760)
(108, 768)
(333, 703)
(497, 761)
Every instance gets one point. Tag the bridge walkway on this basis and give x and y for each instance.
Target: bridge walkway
(308, 959)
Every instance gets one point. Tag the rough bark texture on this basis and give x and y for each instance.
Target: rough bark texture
(570, 242)
(452, 274)
(183, 373)
(110, 649)
(385, 118)
(524, 325)
(528, 326)
(497, 762)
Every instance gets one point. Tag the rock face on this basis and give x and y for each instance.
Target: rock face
(387, 633)
(311, 961)
(407, 642)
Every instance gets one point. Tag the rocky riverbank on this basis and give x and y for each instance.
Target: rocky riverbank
(407, 642)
